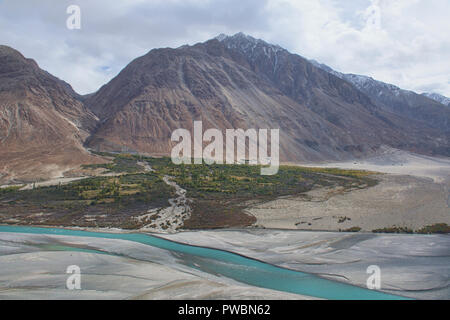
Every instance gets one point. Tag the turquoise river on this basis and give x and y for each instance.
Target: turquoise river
(234, 266)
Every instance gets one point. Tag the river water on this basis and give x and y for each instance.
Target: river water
(231, 265)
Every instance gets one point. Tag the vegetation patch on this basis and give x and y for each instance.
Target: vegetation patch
(122, 163)
(92, 202)
(394, 229)
(353, 229)
(440, 228)
(219, 193)
(343, 219)
(7, 190)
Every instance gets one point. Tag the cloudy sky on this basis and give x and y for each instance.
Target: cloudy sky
(404, 42)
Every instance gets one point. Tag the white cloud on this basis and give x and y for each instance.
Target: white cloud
(409, 46)
(404, 42)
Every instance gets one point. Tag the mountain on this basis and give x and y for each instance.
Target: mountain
(42, 123)
(407, 104)
(439, 98)
(227, 82)
(241, 82)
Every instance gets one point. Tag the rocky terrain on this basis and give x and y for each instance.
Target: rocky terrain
(242, 82)
(439, 98)
(424, 110)
(42, 124)
(227, 82)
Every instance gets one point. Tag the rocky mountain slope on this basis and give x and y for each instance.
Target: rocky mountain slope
(439, 98)
(42, 124)
(242, 82)
(421, 108)
(227, 82)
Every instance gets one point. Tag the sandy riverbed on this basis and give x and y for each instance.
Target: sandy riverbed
(411, 265)
(402, 201)
(416, 266)
(30, 268)
(413, 193)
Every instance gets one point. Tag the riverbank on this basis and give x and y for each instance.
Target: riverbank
(397, 202)
(152, 194)
(133, 266)
(413, 193)
(130, 271)
(416, 266)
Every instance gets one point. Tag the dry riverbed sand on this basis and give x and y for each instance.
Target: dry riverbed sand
(411, 265)
(415, 266)
(413, 193)
(30, 268)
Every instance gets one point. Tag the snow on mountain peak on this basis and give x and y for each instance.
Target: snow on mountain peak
(438, 97)
(221, 37)
(247, 44)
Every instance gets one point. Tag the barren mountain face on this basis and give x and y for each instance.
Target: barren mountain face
(242, 82)
(425, 110)
(42, 125)
(235, 82)
(439, 98)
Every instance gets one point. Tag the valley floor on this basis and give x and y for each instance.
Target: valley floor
(398, 203)
(409, 197)
(413, 193)
(393, 192)
(415, 266)
(128, 271)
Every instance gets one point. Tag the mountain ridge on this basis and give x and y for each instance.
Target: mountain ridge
(406, 103)
(439, 98)
(218, 72)
(227, 82)
(42, 124)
